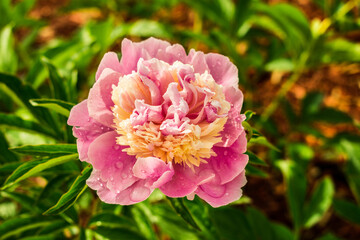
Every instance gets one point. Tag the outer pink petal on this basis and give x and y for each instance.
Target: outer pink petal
(219, 195)
(222, 70)
(182, 183)
(132, 52)
(85, 128)
(110, 60)
(233, 127)
(99, 101)
(114, 165)
(227, 164)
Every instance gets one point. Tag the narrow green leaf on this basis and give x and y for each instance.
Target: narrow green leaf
(18, 225)
(75, 191)
(57, 82)
(319, 203)
(331, 115)
(8, 57)
(296, 189)
(25, 92)
(14, 121)
(347, 210)
(117, 233)
(253, 159)
(31, 168)
(263, 141)
(111, 220)
(6, 155)
(45, 149)
(181, 209)
(56, 105)
(251, 170)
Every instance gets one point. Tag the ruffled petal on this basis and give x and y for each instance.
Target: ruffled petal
(99, 101)
(233, 127)
(155, 171)
(219, 195)
(197, 59)
(132, 52)
(222, 70)
(110, 60)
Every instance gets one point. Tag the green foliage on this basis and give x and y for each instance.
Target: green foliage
(43, 185)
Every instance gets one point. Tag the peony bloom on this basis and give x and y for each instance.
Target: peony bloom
(161, 118)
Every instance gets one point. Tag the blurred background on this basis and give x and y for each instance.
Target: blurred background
(299, 71)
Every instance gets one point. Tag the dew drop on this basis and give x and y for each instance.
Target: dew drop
(225, 153)
(119, 165)
(116, 147)
(124, 175)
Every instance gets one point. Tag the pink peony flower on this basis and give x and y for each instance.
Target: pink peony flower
(160, 118)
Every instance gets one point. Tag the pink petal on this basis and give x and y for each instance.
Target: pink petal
(132, 52)
(182, 183)
(222, 70)
(85, 128)
(198, 60)
(219, 195)
(110, 60)
(153, 170)
(233, 127)
(114, 165)
(99, 101)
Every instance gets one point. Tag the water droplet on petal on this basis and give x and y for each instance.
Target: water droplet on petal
(116, 147)
(119, 165)
(124, 175)
(225, 153)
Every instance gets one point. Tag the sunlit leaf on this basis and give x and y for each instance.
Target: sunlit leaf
(70, 197)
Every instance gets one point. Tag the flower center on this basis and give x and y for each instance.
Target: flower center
(177, 119)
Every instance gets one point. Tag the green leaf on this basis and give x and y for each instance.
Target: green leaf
(253, 159)
(25, 92)
(281, 232)
(249, 114)
(148, 28)
(117, 233)
(8, 57)
(296, 189)
(261, 140)
(31, 168)
(58, 106)
(331, 115)
(311, 104)
(45, 149)
(281, 64)
(347, 210)
(75, 191)
(57, 82)
(143, 222)
(319, 203)
(18, 225)
(251, 170)
(172, 224)
(6, 155)
(181, 209)
(111, 220)
(14, 121)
